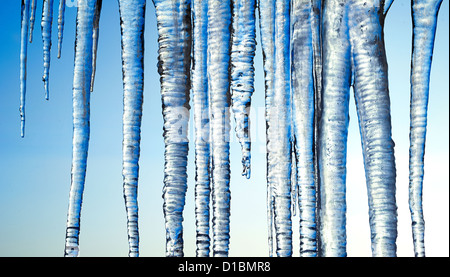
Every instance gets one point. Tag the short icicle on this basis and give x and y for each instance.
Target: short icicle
(32, 19)
(95, 35)
(201, 119)
(46, 29)
(61, 11)
(219, 48)
(174, 63)
(25, 14)
(132, 18)
(81, 118)
(424, 16)
(242, 73)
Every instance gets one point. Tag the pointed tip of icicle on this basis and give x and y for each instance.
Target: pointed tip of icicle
(46, 90)
(22, 129)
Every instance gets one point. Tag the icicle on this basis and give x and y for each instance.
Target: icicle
(25, 13)
(46, 29)
(174, 38)
(201, 119)
(62, 8)
(81, 115)
(424, 15)
(219, 50)
(387, 6)
(242, 72)
(32, 19)
(373, 105)
(132, 18)
(98, 9)
(333, 127)
(302, 82)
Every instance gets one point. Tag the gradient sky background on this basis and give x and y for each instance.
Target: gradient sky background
(35, 170)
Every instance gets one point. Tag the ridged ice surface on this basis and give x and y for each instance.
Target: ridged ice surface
(242, 73)
(81, 115)
(373, 106)
(132, 18)
(25, 15)
(424, 16)
(333, 128)
(219, 44)
(46, 29)
(174, 38)
(302, 85)
(61, 11)
(32, 18)
(201, 119)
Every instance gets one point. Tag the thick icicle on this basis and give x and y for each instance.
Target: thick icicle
(333, 128)
(201, 119)
(62, 8)
(132, 18)
(302, 82)
(46, 29)
(267, 33)
(98, 9)
(366, 21)
(25, 14)
(242, 73)
(81, 115)
(174, 38)
(32, 18)
(219, 48)
(424, 16)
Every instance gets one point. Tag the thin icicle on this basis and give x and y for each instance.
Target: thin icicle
(32, 19)
(373, 106)
(267, 34)
(219, 50)
(132, 18)
(424, 16)
(302, 82)
(25, 14)
(242, 73)
(201, 119)
(333, 128)
(62, 8)
(46, 29)
(174, 38)
(81, 117)
(98, 9)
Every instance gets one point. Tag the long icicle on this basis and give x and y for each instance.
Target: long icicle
(302, 82)
(242, 73)
(333, 128)
(366, 22)
(424, 16)
(61, 11)
(267, 32)
(32, 19)
(95, 35)
(81, 117)
(219, 44)
(201, 119)
(174, 38)
(132, 18)
(25, 14)
(46, 29)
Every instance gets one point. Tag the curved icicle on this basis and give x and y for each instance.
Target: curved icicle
(424, 16)
(81, 117)
(242, 73)
(373, 106)
(32, 19)
(95, 35)
(201, 119)
(302, 82)
(219, 48)
(132, 18)
(46, 29)
(25, 14)
(61, 11)
(174, 38)
(333, 128)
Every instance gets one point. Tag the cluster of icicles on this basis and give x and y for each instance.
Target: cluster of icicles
(314, 51)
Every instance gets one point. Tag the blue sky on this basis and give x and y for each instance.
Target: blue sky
(35, 170)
